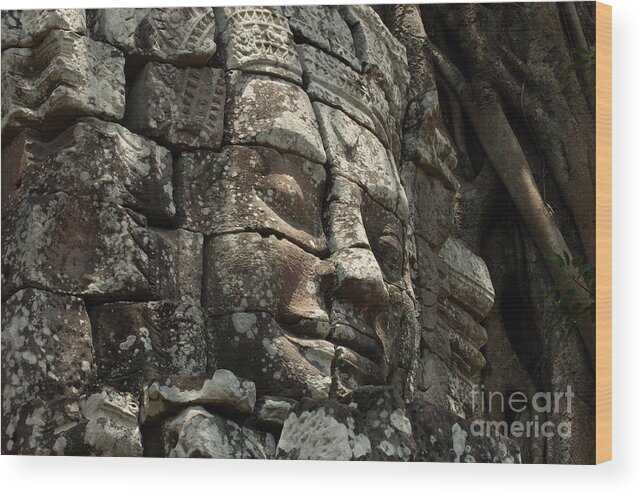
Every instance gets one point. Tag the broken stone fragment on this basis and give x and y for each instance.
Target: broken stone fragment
(112, 427)
(322, 26)
(274, 113)
(182, 108)
(466, 278)
(197, 433)
(258, 40)
(65, 77)
(368, 424)
(137, 342)
(385, 423)
(96, 160)
(47, 348)
(272, 411)
(100, 251)
(25, 28)
(441, 436)
(104, 423)
(181, 36)
(252, 189)
(323, 430)
(222, 391)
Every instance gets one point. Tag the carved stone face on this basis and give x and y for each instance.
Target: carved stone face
(307, 284)
(307, 288)
(372, 311)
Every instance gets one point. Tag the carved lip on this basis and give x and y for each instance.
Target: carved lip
(356, 336)
(366, 344)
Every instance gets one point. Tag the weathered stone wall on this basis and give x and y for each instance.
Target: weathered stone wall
(228, 233)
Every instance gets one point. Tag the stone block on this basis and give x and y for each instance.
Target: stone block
(426, 144)
(252, 189)
(97, 161)
(332, 82)
(357, 155)
(47, 348)
(273, 113)
(380, 53)
(181, 36)
(322, 26)
(368, 424)
(433, 208)
(26, 28)
(258, 40)
(466, 278)
(99, 251)
(181, 107)
(323, 430)
(138, 342)
(197, 433)
(246, 272)
(65, 77)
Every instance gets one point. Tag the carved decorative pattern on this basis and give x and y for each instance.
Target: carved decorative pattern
(186, 108)
(65, 77)
(258, 39)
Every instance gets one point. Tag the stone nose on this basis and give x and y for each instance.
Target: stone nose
(358, 279)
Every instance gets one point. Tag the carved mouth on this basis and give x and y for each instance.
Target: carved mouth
(358, 351)
(361, 341)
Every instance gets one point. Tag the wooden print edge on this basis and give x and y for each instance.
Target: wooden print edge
(603, 232)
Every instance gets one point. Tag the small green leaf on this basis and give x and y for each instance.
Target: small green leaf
(557, 259)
